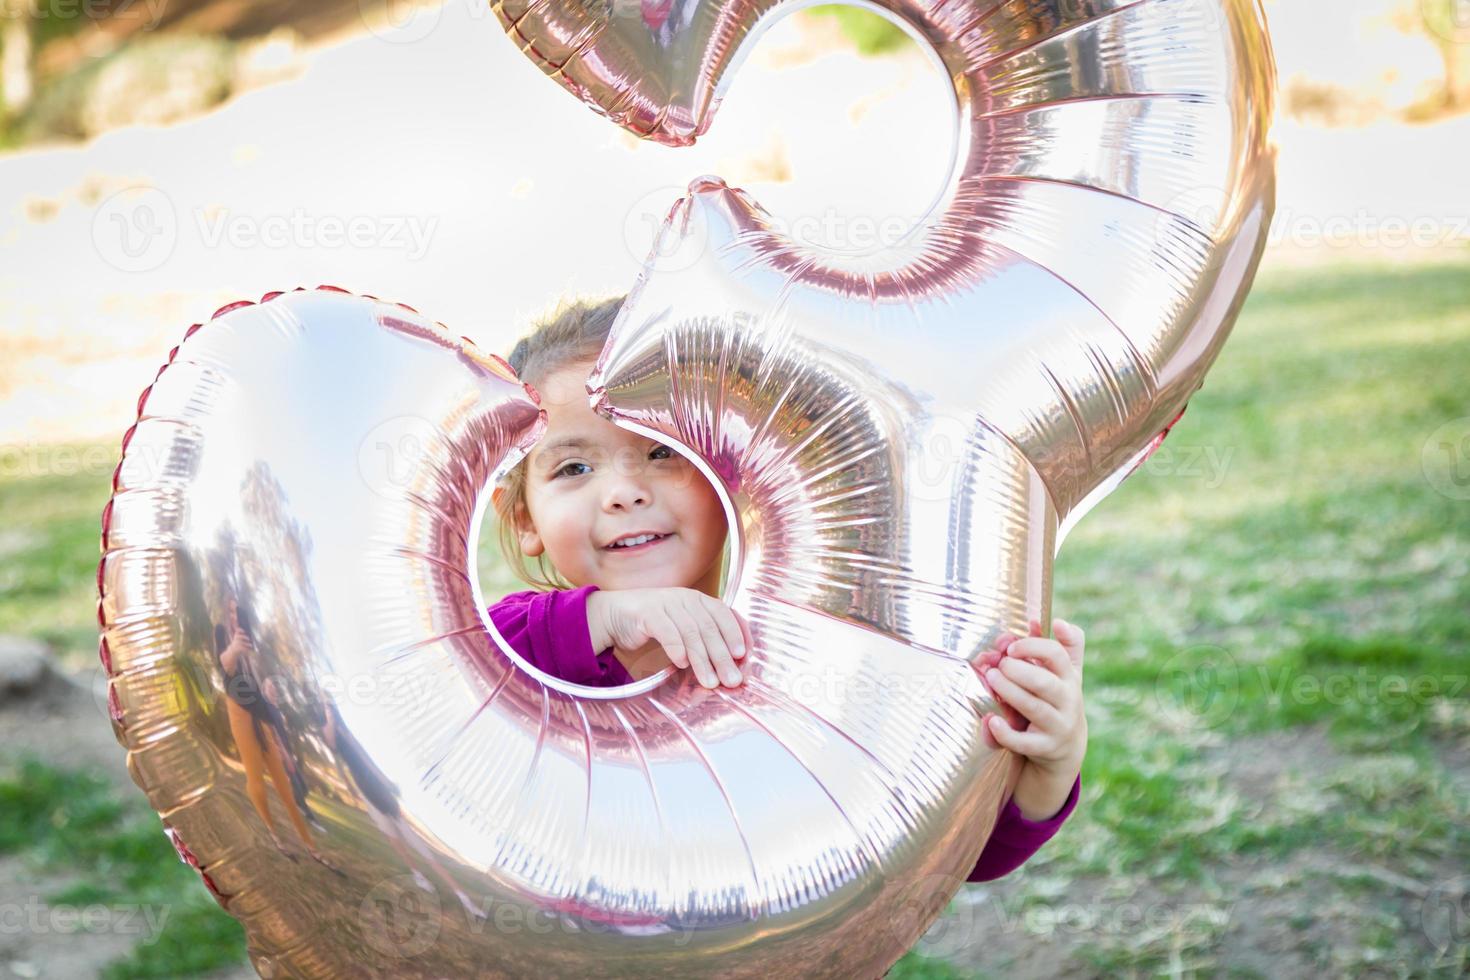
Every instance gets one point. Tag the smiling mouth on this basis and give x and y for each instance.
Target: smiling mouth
(638, 547)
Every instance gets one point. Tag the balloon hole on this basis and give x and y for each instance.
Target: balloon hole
(839, 81)
(700, 554)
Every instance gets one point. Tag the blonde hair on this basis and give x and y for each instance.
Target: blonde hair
(575, 331)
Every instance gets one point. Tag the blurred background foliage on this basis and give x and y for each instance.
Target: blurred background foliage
(71, 69)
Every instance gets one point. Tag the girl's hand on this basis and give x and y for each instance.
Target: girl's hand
(694, 629)
(1039, 682)
(240, 646)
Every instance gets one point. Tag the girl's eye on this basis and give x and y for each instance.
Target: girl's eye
(662, 449)
(564, 469)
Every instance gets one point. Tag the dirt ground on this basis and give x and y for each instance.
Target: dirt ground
(65, 723)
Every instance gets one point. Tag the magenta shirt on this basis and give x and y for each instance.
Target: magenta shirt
(550, 630)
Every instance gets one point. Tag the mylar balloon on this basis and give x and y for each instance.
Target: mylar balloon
(908, 432)
(297, 647)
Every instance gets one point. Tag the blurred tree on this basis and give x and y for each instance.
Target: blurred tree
(872, 33)
(1447, 22)
(16, 83)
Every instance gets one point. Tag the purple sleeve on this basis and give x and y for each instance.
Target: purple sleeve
(549, 629)
(1015, 838)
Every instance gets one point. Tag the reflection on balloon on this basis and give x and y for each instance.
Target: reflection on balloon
(902, 437)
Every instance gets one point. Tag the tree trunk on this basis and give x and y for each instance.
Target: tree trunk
(15, 57)
(1454, 75)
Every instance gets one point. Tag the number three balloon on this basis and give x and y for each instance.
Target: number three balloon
(902, 439)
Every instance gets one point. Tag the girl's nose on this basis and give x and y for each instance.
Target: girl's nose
(627, 491)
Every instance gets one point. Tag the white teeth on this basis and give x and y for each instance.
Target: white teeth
(630, 542)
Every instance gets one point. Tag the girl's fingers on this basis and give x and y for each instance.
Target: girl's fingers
(673, 649)
(986, 660)
(729, 627)
(1022, 743)
(695, 626)
(985, 734)
(1071, 638)
(1036, 680)
(676, 657)
(1047, 653)
(1029, 705)
(716, 643)
(670, 636)
(745, 631)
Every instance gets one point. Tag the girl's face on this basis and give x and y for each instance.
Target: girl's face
(590, 483)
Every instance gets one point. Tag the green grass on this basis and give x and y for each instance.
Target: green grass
(1316, 574)
(52, 499)
(1286, 563)
(872, 33)
(72, 825)
(916, 967)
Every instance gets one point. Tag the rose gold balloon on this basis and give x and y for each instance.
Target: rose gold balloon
(908, 432)
(298, 656)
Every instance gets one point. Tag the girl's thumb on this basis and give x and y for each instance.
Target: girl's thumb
(1070, 637)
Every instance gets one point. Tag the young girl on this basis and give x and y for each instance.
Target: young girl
(633, 531)
(259, 730)
(635, 535)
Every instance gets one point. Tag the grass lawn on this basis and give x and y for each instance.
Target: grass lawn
(1278, 780)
